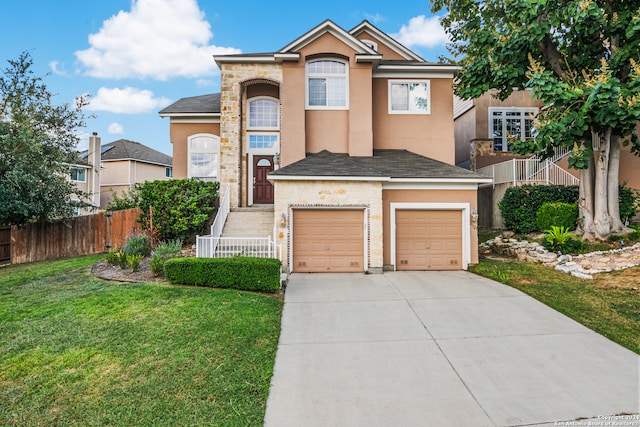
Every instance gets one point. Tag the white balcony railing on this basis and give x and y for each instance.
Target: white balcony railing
(528, 171)
(228, 247)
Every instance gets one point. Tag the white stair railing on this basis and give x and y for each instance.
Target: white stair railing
(528, 170)
(229, 247)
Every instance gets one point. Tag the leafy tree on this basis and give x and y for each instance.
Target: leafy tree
(37, 143)
(177, 208)
(581, 59)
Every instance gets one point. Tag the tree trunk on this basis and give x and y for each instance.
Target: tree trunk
(601, 221)
(585, 202)
(613, 197)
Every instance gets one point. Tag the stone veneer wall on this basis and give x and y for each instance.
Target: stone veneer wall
(327, 194)
(232, 75)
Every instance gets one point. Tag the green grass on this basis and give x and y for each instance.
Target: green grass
(76, 350)
(609, 304)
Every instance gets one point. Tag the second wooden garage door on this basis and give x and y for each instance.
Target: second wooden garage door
(428, 240)
(328, 240)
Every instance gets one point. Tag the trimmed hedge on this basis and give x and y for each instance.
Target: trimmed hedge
(246, 273)
(559, 214)
(520, 204)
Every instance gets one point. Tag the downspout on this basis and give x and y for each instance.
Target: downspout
(240, 146)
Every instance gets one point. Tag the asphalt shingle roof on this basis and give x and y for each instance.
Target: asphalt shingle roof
(125, 149)
(383, 163)
(209, 103)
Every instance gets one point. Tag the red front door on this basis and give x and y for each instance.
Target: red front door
(262, 188)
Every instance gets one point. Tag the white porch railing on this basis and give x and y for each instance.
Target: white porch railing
(529, 171)
(228, 247)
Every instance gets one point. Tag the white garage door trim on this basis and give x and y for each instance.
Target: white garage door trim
(466, 225)
(365, 215)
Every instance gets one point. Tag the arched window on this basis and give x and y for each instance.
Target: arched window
(204, 157)
(264, 113)
(327, 84)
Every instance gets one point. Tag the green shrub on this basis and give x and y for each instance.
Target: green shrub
(164, 252)
(520, 204)
(138, 244)
(247, 273)
(629, 203)
(559, 238)
(182, 208)
(133, 261)
(127, 200)
(117, 257)
(557, 213)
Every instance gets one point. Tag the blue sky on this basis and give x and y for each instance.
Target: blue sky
(134, 57)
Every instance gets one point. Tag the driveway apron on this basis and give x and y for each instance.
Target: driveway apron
(440, 349)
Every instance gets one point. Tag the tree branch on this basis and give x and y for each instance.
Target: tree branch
(551, 55)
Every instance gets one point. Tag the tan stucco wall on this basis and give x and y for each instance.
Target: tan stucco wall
(291, 194)
(427, 196)
(630, 166)
(179, 134)
(430, 135)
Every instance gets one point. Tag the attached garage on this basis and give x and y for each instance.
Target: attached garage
(428, 240)
(328, 240)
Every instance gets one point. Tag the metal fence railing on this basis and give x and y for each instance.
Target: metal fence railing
(228, 247)
(528, 170)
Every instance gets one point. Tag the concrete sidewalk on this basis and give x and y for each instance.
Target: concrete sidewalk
(440, 349)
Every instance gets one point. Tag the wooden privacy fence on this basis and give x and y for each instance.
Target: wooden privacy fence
(83, 235)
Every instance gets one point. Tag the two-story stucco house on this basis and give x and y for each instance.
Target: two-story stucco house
(349, 135)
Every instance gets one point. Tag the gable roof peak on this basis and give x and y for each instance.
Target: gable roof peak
(392, 43)
(328, 26)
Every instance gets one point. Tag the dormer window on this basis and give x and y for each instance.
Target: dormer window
(327, 84)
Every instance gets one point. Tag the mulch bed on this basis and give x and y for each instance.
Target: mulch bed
(143, 273)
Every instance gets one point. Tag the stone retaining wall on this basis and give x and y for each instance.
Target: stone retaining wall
(583, 266)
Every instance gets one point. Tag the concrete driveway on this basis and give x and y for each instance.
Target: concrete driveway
(441, 349)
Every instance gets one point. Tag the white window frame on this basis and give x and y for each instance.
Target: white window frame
(524, 114)
(273, 150)
(309, 76)
(84, 173)
(215, 150)
(263, 98)
(168, 172)
(410, 110)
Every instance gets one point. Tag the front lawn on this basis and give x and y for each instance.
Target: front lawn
(76, 350)
(609, 304)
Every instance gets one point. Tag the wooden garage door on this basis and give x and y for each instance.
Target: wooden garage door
(328, 240)
(428, 240)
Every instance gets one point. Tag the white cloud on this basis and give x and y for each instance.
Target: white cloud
(375, 18)
(157, 39)
(57, 69)
(129, 100)
(423, 32)
(115, 129)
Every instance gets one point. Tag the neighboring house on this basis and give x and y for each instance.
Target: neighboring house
(482, 129)
(127, 163)
(85, 175)
(349, 135)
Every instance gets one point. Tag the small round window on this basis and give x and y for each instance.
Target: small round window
(264, 162)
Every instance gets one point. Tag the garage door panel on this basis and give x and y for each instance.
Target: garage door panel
(428, 240)
(326, 240)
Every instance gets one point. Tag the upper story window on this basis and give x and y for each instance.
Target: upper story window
(327, 84)
(204, 157)
(505, 123)
(264, 113)
(409, 97)
(78, 174)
